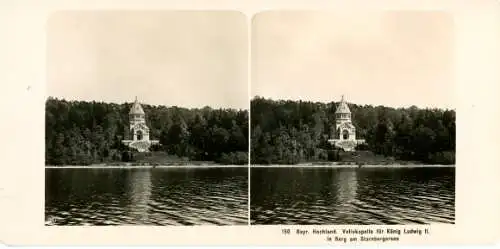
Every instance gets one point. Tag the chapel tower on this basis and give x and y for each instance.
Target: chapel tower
(344, 129)
(138, 130)
(344, 135)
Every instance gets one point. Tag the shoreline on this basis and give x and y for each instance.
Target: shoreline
(252, 166)
(143, 167)
(354, 166)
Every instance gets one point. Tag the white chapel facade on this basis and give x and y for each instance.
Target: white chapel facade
(344, 135)
(138, 130)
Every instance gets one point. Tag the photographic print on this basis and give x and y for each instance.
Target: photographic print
(352, 118)
(146, 118)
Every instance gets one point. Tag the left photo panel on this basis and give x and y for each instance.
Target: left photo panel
(146, 118)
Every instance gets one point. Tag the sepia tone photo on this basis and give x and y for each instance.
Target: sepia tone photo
(368, 127)
(146, 118)
(352, 118)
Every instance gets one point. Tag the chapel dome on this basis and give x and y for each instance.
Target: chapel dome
(342, 107)
(136, 108)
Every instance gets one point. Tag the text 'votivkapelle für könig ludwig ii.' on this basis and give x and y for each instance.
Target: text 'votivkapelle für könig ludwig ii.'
(357, 235)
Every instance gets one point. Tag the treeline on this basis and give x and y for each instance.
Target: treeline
(83, 133)
(288, 132)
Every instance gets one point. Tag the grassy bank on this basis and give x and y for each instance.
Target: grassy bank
(152, 159)
(363, 159)
(345, 159)
(370, 158)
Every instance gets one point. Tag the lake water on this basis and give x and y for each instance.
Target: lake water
(160, 196)
(364, 196)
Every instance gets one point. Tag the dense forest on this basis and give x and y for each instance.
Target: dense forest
(283, 132)
(83, 133)
(289, 132)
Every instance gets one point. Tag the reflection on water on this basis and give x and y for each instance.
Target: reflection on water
(347, 185)
(352, 196)
(182, 196)
(140, 195)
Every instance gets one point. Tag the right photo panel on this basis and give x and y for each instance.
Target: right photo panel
(352, 118)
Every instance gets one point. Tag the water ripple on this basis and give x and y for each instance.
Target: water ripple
(352, 196)
(146, 197)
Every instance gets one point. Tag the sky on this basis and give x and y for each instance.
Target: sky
(186, 59)
(396, 59)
